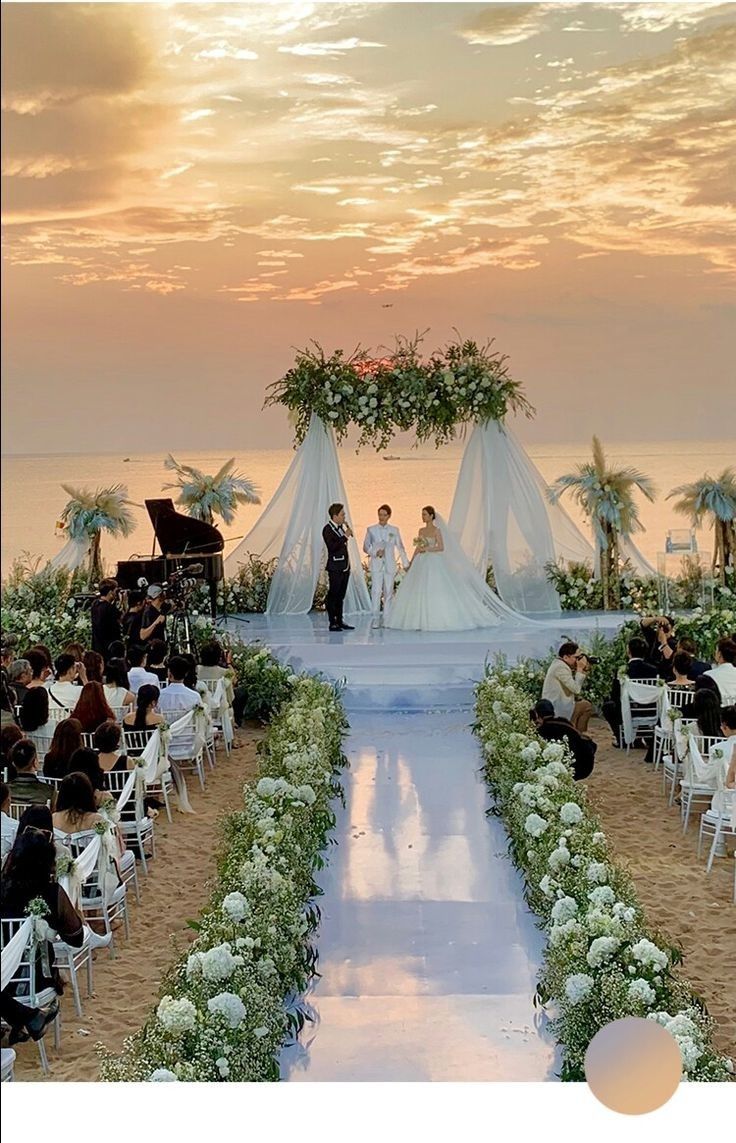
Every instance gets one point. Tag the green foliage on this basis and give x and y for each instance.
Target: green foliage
(227, 1006)
(463, 383)
(579, 590)
(36, 605)
(602, 961)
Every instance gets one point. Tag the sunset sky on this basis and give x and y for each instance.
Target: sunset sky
(190, 190)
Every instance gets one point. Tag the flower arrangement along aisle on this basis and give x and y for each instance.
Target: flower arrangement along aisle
(464, 383)
(601, 962)
(227, 1005)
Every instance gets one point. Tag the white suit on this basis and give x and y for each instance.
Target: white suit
(383, 568)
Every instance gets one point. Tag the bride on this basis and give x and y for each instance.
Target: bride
(442, 591)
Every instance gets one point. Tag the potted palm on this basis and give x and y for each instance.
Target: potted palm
(205, 497)
(712, 501)
(88, 514)
(606, 496)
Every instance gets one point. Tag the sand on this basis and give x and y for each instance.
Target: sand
(694, 909)
(175, 891)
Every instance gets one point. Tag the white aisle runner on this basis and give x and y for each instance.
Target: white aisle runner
(427, 953)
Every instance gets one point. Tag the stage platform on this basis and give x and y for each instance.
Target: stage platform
(407, 670)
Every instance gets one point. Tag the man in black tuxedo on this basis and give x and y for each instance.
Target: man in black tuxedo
(554, 729)
(638, 668)
(336, 535)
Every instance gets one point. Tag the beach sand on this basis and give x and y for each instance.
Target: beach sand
(174, 892)
(694, 910)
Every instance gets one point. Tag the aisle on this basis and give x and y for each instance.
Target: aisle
(427, 953)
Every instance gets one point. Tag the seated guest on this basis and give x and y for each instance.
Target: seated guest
(137, 673)
(94, 666)
(117, 650)
(34, 713)
(76, 650)
(728, 726)
(117, 691)
(7, 702)
(31, 873)
(158, 651)
(9, 735)
(9, 825)
(37, 817)
(107, 744)
(704, 709)
(190, 678)
(637, 668)
(215, 664)
(67, 738)
(697, 666)
(554, 729)
(724, 672)
(85, 761)
(40, 667)
(133, 618)
(27, 786)
(683, 677)
(146, 715)
(19, 677)
(76, 805)
(563, 684)
(178, 698)
(65, 690)
(92, 708)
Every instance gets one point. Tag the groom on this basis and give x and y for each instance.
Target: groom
(336, 535)
(382, 542)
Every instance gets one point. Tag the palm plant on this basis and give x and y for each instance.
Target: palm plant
(606, 496)
(205, 497)
(712, 500)
(88, 514)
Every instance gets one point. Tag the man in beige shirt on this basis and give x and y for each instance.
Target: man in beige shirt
(563, 684)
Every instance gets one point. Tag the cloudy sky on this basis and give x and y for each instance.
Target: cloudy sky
(190, 190)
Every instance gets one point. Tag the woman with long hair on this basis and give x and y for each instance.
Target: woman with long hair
(29, 875)
(85, 761)
(92, 708)
(9, 735)
(34, 711)
(76, 807)
(94, 666)
(117, 686)
(145, 716)
(67, 738)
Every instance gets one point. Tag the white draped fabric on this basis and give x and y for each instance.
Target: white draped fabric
(645, 694)
(502, 516)
(290, 528)
(72, 556)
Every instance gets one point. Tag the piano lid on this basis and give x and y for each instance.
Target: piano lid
(180, 534)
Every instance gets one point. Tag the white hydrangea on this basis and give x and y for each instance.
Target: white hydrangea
(601, 950)
(571, 814)
(553, 752)
(531, 752)
(535, 825)
(236, 906)
(504, 718)
(578, 987)
(230, 1006)
(223, 1067)
(599, 838)
(177, 1016)
(266, 787)
(497, 707)
(645, 952)
(547, 885)
(560, 933)
(641, 990)
(558, 858)
(564, 909)
(597, 872)
(219, 963)
(194, 966)
(625, 913)
(163, 1075)
(602, 895)
(307, 795)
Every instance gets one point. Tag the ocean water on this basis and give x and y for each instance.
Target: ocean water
(33, 498)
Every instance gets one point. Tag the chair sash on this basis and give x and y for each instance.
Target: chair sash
(649, 694)
(33, 931)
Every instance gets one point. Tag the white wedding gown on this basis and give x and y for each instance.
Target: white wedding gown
(442, 591)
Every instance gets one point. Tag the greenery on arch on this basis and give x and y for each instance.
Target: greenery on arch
(464, 383)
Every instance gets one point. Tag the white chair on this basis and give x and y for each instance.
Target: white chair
(23, 983)
(98, 904)
(72, 960)
(7, 1064)
(182, 753)
(671, 702)
(130, 825)
(718, 821)
(42, 742)
(135, 742)
(634, 695)
(700, 779)
(58, 713)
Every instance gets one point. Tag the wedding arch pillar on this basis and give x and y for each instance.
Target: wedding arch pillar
(290, 529)
(501, 515)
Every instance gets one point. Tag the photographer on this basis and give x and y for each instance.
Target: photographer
(554, 729)
(659, 633)
(153, 620)
(105, 617)
(133, 618)
(563, 684)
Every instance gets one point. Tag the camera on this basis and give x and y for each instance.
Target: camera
(592, 659)
(179, 587)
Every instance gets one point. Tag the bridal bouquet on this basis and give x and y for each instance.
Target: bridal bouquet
(420, 543)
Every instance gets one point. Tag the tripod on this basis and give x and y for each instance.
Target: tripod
(181, 637)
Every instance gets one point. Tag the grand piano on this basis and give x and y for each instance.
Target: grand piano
(184, 542)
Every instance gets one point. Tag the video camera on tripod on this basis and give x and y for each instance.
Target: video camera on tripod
(178, 588)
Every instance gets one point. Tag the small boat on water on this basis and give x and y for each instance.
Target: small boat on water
(392, 458)
(126, 460)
